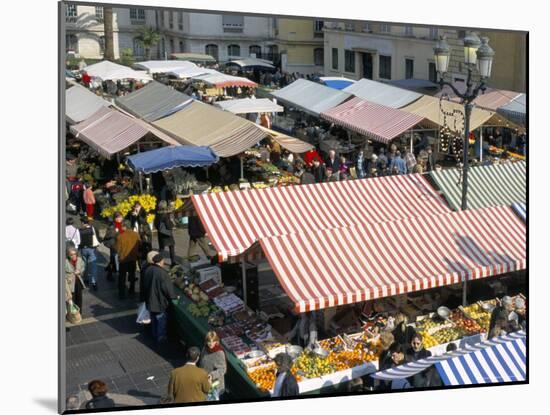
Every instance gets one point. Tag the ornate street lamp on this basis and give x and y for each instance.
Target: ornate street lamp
(477, 54)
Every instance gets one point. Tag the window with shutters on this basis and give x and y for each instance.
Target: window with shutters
(349, 61)
(335, 58)
(385, 67)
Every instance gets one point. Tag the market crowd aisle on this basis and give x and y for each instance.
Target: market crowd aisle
(109, 345)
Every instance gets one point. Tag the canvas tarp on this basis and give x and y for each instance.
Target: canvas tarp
(221, 80)
(204, 125)
(310, 97)
(167, 158)
(106, 71)
(382, 94)
(153, 101)
(249, 105)
(515, 110)
(163, 66)
(80, 104)
(292, 144)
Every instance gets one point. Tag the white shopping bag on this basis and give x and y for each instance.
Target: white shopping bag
(143, 316)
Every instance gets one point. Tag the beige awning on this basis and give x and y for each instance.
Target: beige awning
(204, 125)
(294, 145)
(450, 114)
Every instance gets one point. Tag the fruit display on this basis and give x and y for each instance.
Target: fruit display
(469, 326)
(264, 377)
(237, 346)
(448, 335)
(311, 365)
(478, 314)
(199, 310)
(428, 340)
(431, 325)
(195, 293)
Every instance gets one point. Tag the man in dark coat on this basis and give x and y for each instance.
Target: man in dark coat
(285, 384)
(318, 171)
(159, 292)
(416, 352)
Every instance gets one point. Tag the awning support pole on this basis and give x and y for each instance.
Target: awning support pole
(243, 269)
(242, 167)
(118, 165)
(464, 291)
(140, 183)
(481, 143)
(411, 141)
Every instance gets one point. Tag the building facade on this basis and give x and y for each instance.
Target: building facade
(295, 44)
(387, 52)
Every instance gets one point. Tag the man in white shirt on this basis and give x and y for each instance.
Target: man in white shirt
(72, 235)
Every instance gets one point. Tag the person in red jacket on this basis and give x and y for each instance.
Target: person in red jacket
(89, 201)
(310, 156)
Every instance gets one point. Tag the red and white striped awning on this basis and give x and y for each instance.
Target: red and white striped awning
(330, 267)
(235, 220)
(379, 122)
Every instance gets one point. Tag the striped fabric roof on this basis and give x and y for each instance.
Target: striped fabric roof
(515, 110)
(500, 184)
(236, 220)
(109, 131)
(379, 122)
(520, 209)
(505, 343)
(495, 99)
(331, 267)
(501, 362)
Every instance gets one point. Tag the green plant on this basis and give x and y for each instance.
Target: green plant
(127, 57)
(148, 37)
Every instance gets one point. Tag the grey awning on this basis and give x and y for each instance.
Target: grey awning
(153, 101)
(310, 97)
(382, 94)
(80, 104)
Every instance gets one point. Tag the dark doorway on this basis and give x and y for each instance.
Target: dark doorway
(367, 65)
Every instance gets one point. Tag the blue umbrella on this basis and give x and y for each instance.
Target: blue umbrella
(167, 158)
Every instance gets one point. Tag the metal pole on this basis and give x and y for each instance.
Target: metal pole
(243, 269)
(481, 144)
(140, 183)
(464, 206)
(411, 141)
(242, 167)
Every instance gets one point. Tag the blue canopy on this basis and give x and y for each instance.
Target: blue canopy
(167, 158)
(336, 83)
(521, 209)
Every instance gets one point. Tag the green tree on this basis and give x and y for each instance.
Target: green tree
(109, 37)
(148, 37)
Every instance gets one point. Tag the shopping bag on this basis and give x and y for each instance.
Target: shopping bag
(73, 314)
(143, 316)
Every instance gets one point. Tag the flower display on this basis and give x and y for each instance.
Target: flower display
(148, 202)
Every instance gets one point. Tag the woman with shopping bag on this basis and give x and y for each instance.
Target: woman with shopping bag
(74, 285)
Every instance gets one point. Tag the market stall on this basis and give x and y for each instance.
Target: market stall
(236, 220)
(153, 101)
(382, 94)
(81, 103)
(167, 158)
(251, 63)
(109, 71)
(500, 184)
(194, 57)
(377, 122)
(515, 110)
(109, 131)
(498, 360)
(204, 125)
(248, 105)
(186, 73)
(310, 97)
(221, 80)
(164, 66)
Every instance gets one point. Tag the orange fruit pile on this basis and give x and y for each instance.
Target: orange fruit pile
(264, 377)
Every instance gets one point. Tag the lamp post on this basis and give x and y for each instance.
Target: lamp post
(477, 53)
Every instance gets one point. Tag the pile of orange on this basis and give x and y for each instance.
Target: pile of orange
(263, 377)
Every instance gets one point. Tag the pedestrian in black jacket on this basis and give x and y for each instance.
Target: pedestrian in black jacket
(165, 226)
(89, 241)
(159, 292)
(318, 171)
(286, 383)
(109, 240)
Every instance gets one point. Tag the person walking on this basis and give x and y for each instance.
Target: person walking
(360, 165)
(100, 400)
(89, 200)
(158, 294)
(197, 236)
(138, 220)
(89, 241)
(127, 249)
(213, 360)
(109, 240)
(72, 235)
(165, 227)
(74, 285)
(285, 383)
(189, 383)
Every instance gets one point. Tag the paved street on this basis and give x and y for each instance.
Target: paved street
(109, 345)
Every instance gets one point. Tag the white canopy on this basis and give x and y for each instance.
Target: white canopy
(106, 70)
(249, 105)
(164, 66)
(190, 72)
(244, 62)
(221, 80)
(382, 94)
